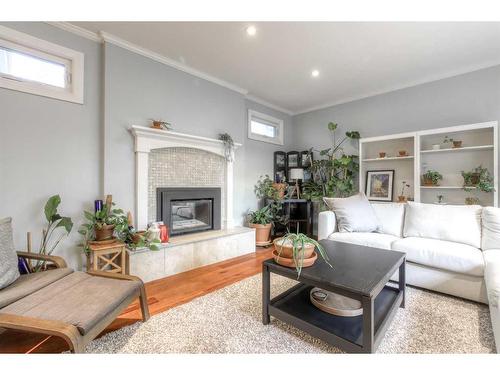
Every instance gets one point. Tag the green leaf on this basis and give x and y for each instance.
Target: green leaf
(89, 216)
(83, 232)
(353, 135)
(66, 223)
(154, 247)
(332, 126)
(51, 206)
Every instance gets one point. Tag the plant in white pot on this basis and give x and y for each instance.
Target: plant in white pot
(262, 221)
(296, 250)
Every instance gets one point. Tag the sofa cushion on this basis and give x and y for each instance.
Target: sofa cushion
(492, 276)
(78, 299)
(8, 257)
(444, 222)
(446, 255)
(390, 217)
(491, 228)
(378, 240)
(29, 283)
(354, 214)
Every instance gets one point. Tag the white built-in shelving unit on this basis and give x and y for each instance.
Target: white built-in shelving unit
(479, 147)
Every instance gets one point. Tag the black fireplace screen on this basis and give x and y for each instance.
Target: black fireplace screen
(188, 210)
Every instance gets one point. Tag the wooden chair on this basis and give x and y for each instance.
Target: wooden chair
(75, 334)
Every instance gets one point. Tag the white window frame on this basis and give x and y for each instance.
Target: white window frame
(254, 115)
(18, 41)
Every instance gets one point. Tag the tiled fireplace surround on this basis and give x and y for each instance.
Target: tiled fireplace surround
(171, 159)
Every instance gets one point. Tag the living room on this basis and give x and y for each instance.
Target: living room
(160, 171)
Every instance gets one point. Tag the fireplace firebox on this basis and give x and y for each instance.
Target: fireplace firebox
(189, 210)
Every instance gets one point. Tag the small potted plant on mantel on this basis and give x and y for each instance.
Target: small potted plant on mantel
(262, 221)
(431, 178)
(296, 250)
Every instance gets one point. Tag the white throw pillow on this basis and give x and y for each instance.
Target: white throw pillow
(444, 222)
(390, 217)
(491, 228)
(8, 256)
(354, 214)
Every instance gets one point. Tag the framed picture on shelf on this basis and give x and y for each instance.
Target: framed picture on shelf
(293, 159)
(379, 185)
(307, 175)
(280, 159)
(305, 159)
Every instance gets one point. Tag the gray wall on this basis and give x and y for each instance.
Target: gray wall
(464, 99)
(49, 146)
(138, 88)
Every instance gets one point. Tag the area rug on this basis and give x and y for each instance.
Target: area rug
(229, 321)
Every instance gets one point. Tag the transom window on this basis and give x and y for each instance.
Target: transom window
(38, 67)
(262, 127)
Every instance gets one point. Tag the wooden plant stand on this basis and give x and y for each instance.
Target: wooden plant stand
(110, 257)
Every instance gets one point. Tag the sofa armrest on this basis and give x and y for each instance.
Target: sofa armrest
(57, 261)
(327, 224)
(492, 279)
(117, 276)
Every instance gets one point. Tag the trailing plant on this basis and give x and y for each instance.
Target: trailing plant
(228, 142)
(54, 221)
(298, 241)
(261, 216)
(433, 176)
(479, 178)
(162, 124)
(335, 172)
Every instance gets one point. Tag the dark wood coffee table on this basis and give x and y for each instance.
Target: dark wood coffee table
(358, 272)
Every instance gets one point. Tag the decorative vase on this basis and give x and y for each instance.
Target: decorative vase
(403, 153)
(280, 188)
(436, 147)
(262, 233)
(104, 233)
(382, 154)
(457, 144)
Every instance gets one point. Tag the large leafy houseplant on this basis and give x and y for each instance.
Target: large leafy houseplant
(261, 220)
(56, 224)
(334, 173)
(297, 244)
(265, 189)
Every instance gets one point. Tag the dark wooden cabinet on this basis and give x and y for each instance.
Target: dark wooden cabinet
(300, 216)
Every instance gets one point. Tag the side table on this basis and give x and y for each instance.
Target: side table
(108, 257)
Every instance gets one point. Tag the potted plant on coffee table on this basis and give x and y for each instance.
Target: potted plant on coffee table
(296, 250)
(431, 178)
(261, 220)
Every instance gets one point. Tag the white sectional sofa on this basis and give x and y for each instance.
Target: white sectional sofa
(449, 249)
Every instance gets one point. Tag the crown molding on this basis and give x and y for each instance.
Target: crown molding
(400, 87)
(66, 26)
(109, 38)
(256, 99)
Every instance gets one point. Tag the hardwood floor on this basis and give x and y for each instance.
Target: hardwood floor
(162, 295)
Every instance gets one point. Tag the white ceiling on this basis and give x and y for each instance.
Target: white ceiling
(355, 59)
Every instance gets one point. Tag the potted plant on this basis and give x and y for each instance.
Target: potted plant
(104, 223)
(296, 250)
(479, 179)
(160, 125)
(455, 143)
(262, 221)
(431, 178)
(402, 197)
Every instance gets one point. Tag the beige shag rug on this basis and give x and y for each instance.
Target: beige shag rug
(229, 321)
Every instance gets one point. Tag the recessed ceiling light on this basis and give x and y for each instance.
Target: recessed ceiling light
(315, 73)
(251, 30)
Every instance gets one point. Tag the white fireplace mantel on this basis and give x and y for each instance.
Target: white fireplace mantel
(147, 139)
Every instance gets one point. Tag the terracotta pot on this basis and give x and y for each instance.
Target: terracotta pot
(403, 153)
(457, 144)
(137, 236)
(288, 262)
(402, 198)
(381, 154)
(281, 189)
(285, 250)
(262, 232)
(428, 181)
(474, 179)
(471, 200)
(157, 125)
(105, 233)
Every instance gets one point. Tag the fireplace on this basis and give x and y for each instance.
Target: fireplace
(189, 210)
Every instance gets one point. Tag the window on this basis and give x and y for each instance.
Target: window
(262, 127)
(38, 67)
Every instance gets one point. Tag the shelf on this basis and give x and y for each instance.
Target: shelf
(458, 149)
(445, 187)
(391, 158)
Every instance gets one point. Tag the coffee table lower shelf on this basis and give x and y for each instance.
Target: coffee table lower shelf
(295, 308)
